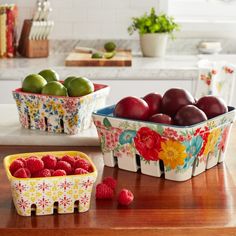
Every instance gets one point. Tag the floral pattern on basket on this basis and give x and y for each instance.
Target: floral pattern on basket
(178, 148)
(58, 114)
(44, 194)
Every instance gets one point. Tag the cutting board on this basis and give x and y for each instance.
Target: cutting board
(122, 58)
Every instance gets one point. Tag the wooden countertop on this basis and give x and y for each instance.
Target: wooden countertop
(204, 205)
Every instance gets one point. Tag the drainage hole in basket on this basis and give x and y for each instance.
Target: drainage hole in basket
(33, 209)
(115, 160)
(55, 207)
(137, 160)
(29, 122)
(161, 163)
(62, 125)
(76, 206)
(46, 123)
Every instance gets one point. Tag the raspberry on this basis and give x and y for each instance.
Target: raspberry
(16, 165)
(125, 197)
(52, 171)
(34, 164)
(49, 161)
(110, 182)
(81, 163)
(22, 173)
(59, 173)
(23, 160)
(104, 192)
(63, 165)
(70, 160)
(42, 173)
(80, 171)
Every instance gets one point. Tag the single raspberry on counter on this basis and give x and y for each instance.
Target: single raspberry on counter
(49, 161)
(110, 182)
(42, 173)
(81, 163)
(104, 192)
(80, 171)
(125, 197)
(63, 165)
(59, 173)
(16, 165)
(22, 173)
(69, 159)
(34, 164)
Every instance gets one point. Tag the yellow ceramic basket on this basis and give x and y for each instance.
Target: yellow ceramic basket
(43, 195)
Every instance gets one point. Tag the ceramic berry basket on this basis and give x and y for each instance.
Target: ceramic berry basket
(43, 195)
(177, 152)
(59, 114)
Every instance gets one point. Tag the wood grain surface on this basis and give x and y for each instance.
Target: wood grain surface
(204, 205)
(122, 58)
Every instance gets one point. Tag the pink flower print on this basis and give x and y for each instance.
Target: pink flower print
(87, 183)
(65, 201)
(98, 123)
(224, 136)
(65, 185)
(43, 202)
(23, 203)
(70, 105)
(41, 124)
(84, 200)
(24, 121)
(20, 187)
(213, 72)
(228, 70)
(170, 133)
(43, 186)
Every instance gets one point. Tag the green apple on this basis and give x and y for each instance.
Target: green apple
(49, 75)
(33, 83)
(80, 86)
(54, 88)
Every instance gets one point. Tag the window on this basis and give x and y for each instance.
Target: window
(215, 18)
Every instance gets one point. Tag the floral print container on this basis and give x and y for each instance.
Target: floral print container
(59, 114)
(43, 195)
(177, 152)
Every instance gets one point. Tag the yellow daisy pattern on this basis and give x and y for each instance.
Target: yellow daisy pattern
(212, 141)
(172, 153)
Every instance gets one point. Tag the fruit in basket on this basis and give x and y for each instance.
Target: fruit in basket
(63, 165)
(80, 171)
(80, 86)
(49, 75)
(54, 88)
(110, 46)
(132, 108)
(22, 173)
(59, 173)
(68, 80)
(174, 99)
(189, 115)
(42, 173)
(161, 118)
(49, 161)
(33, 83)
(34, 164)
(154, 102)
(213, 106)
(16, 165)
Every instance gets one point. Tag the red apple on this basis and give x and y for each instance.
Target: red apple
(154, 102)
(174, 99)
(212, 106)
(161, 118)
(132, 108)
(189, 115)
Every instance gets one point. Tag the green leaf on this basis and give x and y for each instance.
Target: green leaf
(107, 123)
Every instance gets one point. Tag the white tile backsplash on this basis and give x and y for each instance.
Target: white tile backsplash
(88, 19)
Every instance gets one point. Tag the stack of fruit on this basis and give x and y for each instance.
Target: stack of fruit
(109, 53)
(177, 107)
(47, 82)
(48, 166)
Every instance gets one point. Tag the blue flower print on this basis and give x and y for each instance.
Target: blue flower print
(127, 136)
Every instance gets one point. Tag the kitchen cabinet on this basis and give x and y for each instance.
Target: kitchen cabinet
(122, 88)
(6, 88)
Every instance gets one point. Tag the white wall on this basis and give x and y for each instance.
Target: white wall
(85, 19)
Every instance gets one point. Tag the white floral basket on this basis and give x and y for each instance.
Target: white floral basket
(59, 114)
(177, 152)
(45, 195)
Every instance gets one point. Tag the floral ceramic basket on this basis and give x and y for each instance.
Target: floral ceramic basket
(178, 152)
(43, 195)
(59, 114)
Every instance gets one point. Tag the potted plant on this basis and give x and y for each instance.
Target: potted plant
(153, 30)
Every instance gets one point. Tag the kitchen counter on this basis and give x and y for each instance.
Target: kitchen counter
(204, 205)
(11, 133)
